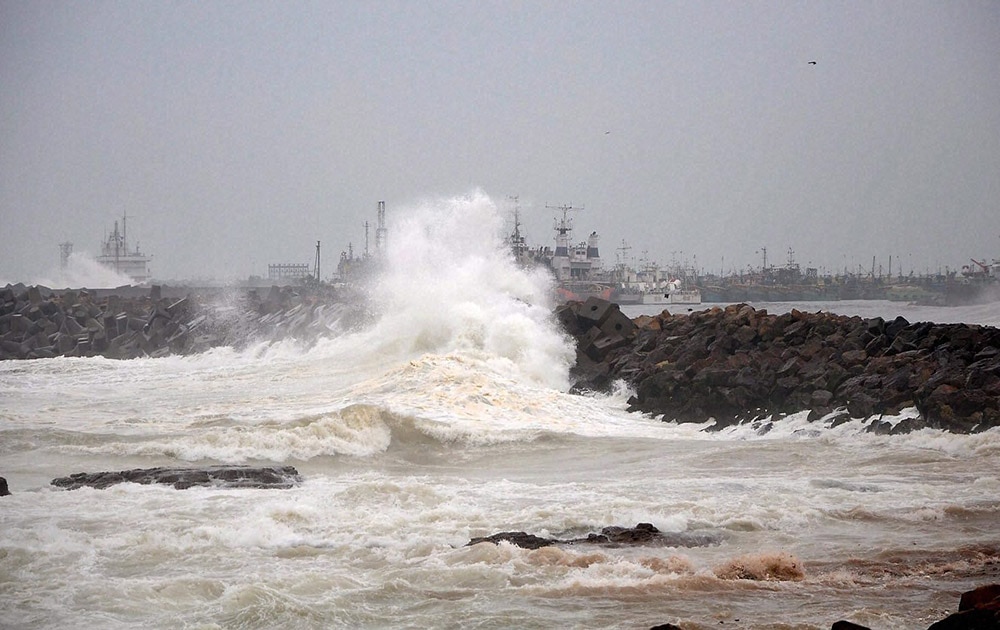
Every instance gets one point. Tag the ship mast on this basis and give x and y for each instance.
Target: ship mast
(563, 228)
(316, 270)
(381, 233)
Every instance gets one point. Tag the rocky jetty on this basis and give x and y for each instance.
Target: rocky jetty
(739, 364)
(37, 322)
(183, 478)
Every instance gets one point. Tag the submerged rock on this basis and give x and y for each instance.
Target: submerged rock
(643, 534)
(183, 478)
(518, 539)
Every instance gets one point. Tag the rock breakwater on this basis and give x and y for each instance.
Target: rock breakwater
(37, 322)
(739, 364)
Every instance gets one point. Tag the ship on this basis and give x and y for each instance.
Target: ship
(116, 255)
(580, 272)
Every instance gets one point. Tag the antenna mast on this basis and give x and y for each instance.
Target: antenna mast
(316, 270)
(381, 233)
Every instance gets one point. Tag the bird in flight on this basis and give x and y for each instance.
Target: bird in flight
(812, 63)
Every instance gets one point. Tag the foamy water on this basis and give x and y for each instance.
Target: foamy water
(445, 420)
(81, 270)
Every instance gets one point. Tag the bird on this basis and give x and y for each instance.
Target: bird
(812, 63)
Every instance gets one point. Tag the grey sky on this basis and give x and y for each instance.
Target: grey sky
(236, 134)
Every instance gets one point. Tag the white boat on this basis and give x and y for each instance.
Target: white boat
(675, 296)
(116, 255)
(669, 293)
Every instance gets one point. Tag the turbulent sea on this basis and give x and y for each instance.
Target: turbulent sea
(449, 418)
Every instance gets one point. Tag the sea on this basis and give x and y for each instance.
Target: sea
(447, 417)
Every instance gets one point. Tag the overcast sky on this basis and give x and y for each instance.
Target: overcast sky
(237, 134)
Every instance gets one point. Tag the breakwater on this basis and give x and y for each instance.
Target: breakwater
(735, 364)
(37, 322)
(738, 364)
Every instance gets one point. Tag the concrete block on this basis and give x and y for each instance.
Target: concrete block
(121, 324)
(18, 323)
(604, 344)
(45, 352)
(618, 323)
(596, 310)
(93, 326)
(71, 326)
(65, 343)
(178, 308)
(588, 337)
(49, 327)
(11, 349)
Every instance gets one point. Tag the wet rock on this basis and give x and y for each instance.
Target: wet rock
(707, 364)
(36, 322)
(643, 534)
(978, 609)
(183, 478)
(4, 490)
(519, 539)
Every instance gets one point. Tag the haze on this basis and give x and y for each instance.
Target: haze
(237, 134)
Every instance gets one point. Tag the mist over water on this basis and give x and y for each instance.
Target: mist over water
(81, 271)
(447, 418)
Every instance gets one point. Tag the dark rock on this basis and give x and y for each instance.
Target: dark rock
(735, 364)
(519, 539)
(643, 534)
(978, 609)
(4, 490)
(980, 597)
(88, 326)
(183, 478)
(847, 625)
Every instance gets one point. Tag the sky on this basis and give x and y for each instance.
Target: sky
(234, 135)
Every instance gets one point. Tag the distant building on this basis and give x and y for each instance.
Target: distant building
(288, 272)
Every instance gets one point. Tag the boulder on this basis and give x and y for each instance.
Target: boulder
(978, 609)
(643, 534)
(183, 478)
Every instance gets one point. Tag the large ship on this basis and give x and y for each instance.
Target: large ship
(580, 272)
(116, 255)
